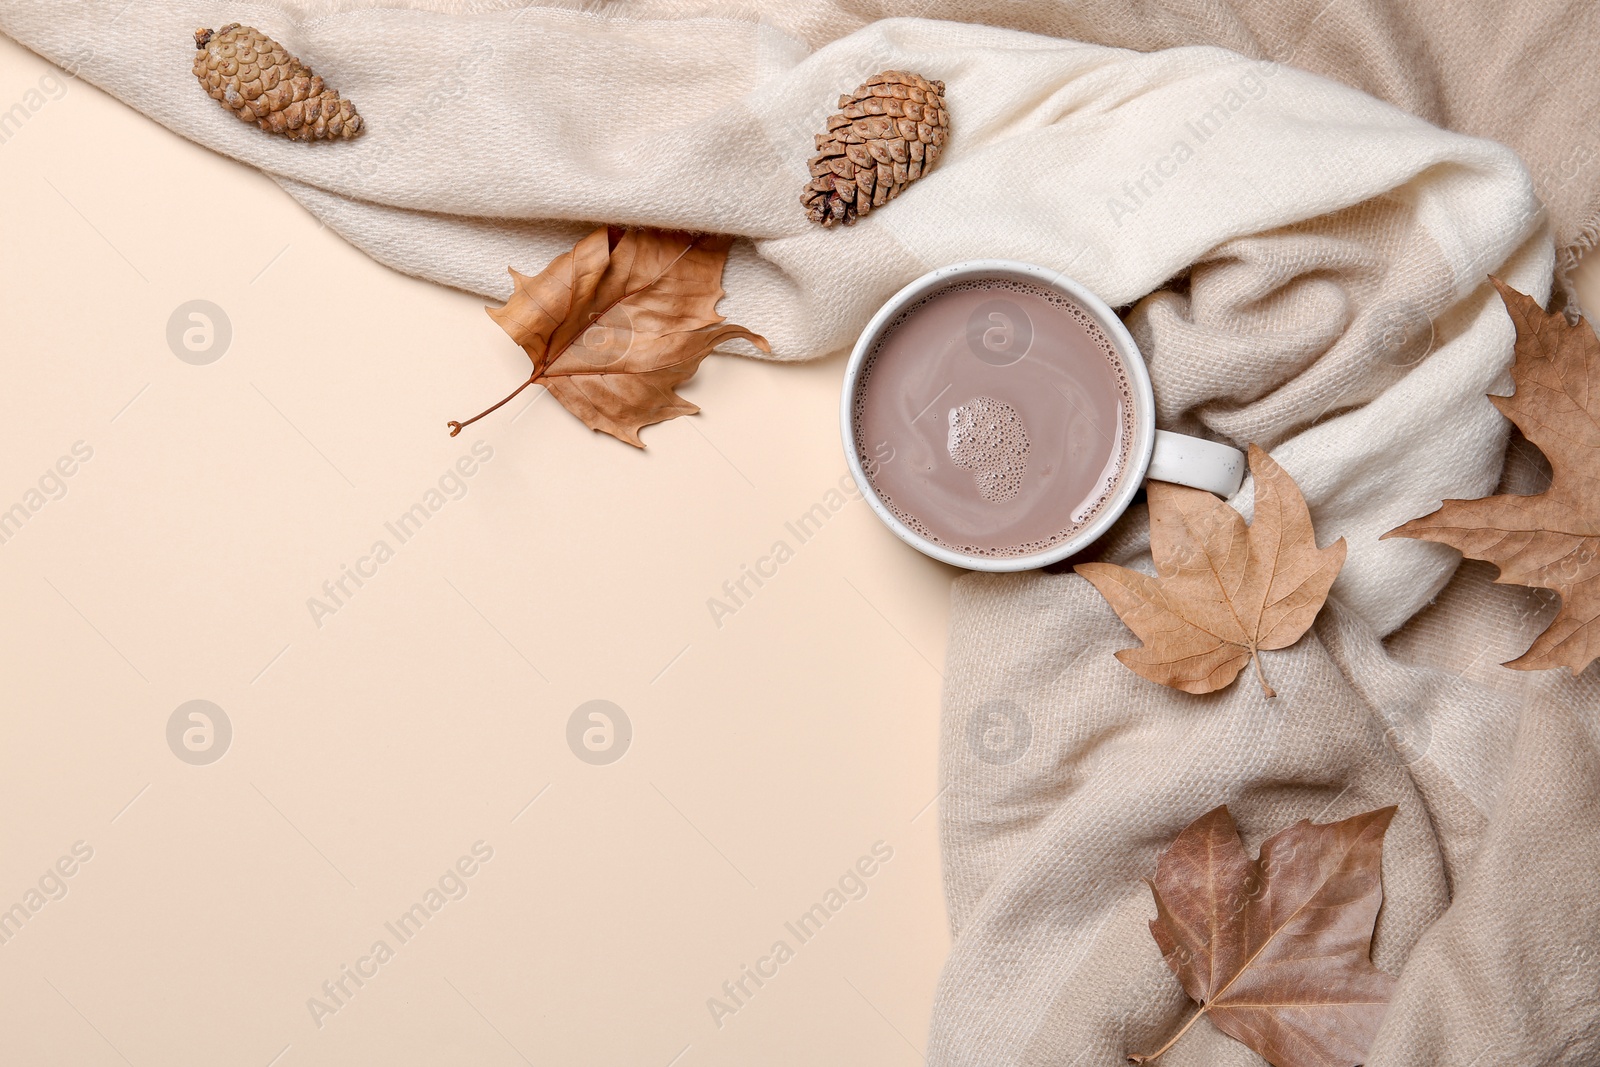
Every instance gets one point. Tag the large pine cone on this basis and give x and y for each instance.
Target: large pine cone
(886, 136)
(259, 81)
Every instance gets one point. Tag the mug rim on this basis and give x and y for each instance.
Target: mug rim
(1144, 405)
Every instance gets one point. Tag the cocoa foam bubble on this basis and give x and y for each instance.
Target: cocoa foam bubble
(987, 438)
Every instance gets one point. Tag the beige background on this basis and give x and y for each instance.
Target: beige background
(368, 755)
(424, 715)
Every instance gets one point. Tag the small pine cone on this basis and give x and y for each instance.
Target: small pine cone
(256, 79)
(887, 135)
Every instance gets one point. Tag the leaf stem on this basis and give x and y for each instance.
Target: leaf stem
(1192, 1020)
(457, 427)
(1255, 657)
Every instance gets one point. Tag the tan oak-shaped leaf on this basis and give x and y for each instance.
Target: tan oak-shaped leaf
(614, 326)
(1550, 540)
(1277, 950)
(1223, 591)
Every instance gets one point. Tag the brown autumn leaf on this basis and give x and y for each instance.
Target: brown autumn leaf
(1224, 591)
(1550, 540)
(1277, 950)
(614, 326)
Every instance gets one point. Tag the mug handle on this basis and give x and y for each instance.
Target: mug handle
(1196, 462)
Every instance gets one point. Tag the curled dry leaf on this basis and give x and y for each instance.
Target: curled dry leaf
(614, 326)
(1277, 950)
(1550, 540)
(1224, 591)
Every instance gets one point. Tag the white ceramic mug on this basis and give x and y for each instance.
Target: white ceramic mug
(1155, 454)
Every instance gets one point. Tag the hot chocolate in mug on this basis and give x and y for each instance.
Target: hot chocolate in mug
(998, 416)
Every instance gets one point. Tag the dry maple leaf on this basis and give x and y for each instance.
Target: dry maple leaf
(1224, 591)
(1277, 951)
(1550, 540)
(616, 324)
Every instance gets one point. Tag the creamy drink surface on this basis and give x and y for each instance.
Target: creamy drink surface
(1008, 412)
